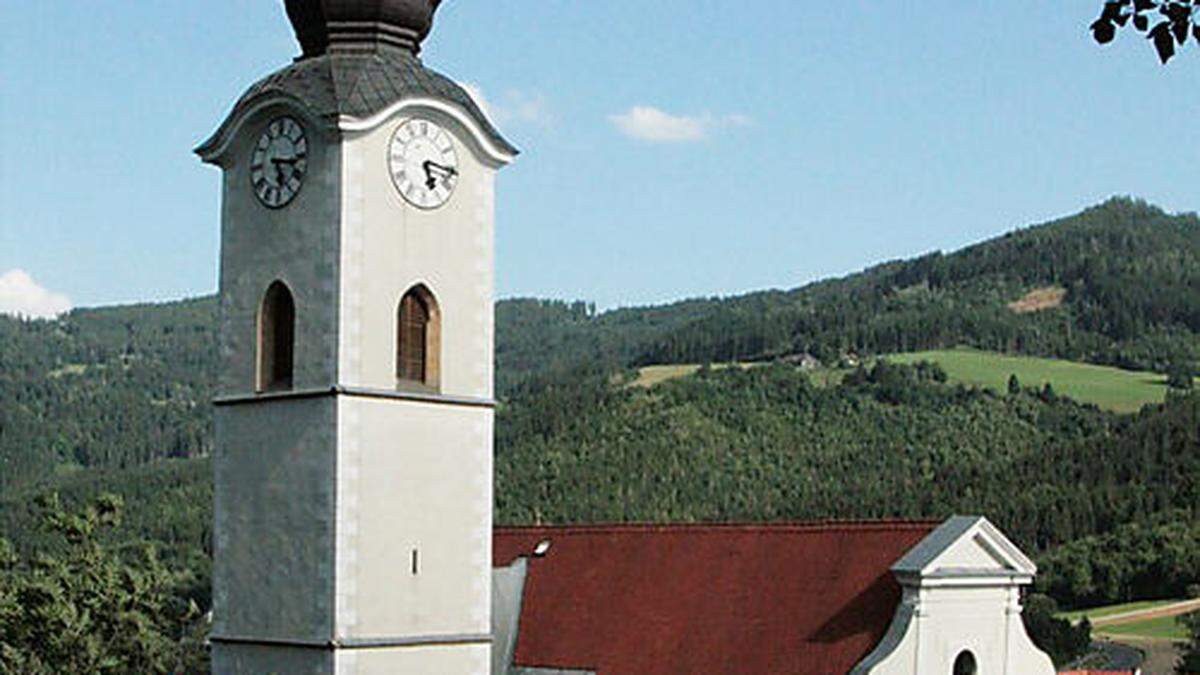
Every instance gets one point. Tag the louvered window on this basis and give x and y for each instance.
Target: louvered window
(412, 357)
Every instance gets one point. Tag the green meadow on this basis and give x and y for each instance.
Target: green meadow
(1111, 388)
(1169, 627)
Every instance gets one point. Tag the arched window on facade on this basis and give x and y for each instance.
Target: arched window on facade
(276, 338)
(965, 664)
(418, 340)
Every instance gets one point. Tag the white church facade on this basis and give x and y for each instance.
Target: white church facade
(354, 420)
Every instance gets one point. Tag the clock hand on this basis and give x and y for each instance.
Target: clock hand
(278, 161)
(430, 179)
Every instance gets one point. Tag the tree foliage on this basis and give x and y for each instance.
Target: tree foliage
(1166, 23)
(1060, 639)
(127, 386)
(891, 441)
(1158, 558)
(87, 609)
(1189, 660)
(1181, 376)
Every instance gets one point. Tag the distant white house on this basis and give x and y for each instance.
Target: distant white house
(803, 360)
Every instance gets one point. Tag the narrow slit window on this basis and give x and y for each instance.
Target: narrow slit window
(276, 338)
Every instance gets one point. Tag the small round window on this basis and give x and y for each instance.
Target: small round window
(964, 664)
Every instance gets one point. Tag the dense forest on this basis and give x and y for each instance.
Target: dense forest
(1066, 481)
(114, 387)
(1106, 503)
(121, 386)
(115, 400)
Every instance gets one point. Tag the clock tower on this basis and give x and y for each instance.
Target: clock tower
(353, 460)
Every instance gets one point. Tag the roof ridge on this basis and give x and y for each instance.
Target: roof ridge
(830, 525)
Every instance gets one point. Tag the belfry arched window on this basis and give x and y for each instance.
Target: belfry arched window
(965, 664)
(276, 338)
(418, 339)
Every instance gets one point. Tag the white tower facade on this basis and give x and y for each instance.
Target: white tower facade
(353, 463)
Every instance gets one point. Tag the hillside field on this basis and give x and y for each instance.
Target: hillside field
(1122, 391)
(1114, 389)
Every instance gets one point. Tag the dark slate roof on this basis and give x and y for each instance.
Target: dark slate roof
(809, 598)
(358, 84)
(935, 544)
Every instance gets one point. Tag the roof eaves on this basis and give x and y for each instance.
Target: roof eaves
(1004, 546)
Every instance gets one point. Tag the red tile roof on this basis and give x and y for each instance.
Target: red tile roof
(791, 598)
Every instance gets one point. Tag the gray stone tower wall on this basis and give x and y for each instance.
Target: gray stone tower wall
(353, 513)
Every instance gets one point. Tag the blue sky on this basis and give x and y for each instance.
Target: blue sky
(670, 148)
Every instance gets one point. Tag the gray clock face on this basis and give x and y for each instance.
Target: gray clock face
(423, 164)
(279, 162)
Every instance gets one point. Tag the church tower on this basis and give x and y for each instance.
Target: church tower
(353, 461)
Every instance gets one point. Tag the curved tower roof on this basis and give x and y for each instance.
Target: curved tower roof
(358, 58)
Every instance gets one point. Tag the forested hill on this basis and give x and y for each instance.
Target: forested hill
(112, 387)
(1118, 283)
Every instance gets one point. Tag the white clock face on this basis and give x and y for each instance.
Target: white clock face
(422, 162)
(279, 162)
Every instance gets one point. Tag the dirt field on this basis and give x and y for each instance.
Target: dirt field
(1174, 609)
(1038, 299)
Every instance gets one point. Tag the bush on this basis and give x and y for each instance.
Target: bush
(1180, 376)
(1057, 637)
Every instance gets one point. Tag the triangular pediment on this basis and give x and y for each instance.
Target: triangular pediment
(965, 546)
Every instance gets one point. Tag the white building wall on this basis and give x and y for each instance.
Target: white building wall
(433, 659)
(961, 593)
(389, 246)
(423, 485)
(928, 636)
(414, 475)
